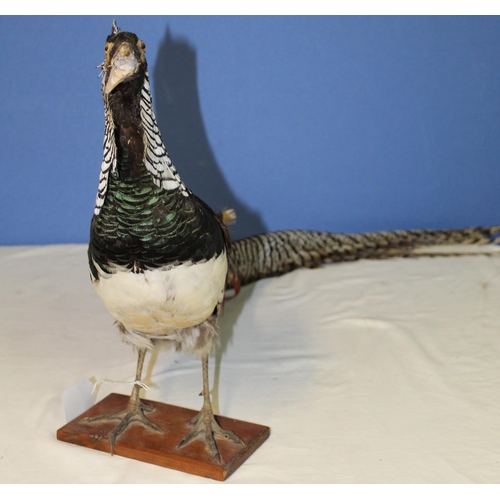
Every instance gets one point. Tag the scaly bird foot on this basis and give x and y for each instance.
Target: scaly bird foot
(205, 424)
(134, 413)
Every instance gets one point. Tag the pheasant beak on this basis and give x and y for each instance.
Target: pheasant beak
(123, 64)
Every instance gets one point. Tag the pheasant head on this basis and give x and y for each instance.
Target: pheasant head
(124, 59)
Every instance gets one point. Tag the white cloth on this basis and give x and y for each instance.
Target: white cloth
(366, 372)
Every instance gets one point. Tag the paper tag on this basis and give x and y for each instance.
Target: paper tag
(77, 399)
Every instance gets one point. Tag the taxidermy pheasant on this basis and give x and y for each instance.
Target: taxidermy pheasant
(157, 253)
(160, 258)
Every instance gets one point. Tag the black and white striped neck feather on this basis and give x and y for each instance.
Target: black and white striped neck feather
(156, 158)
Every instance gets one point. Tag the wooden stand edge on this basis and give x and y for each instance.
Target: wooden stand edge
(142, 444)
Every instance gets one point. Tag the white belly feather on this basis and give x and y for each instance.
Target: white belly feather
(161, 302)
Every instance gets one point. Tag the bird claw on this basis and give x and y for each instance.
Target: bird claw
(205, 424)
(131, 414)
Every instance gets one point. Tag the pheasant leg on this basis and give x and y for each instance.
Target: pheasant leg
(204, 424)
(134, 413)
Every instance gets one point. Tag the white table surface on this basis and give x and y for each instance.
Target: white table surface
(366, 372)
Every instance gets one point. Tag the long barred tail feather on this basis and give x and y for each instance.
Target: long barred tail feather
(277, 253)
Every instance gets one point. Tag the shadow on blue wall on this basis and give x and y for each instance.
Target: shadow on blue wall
(179, 118)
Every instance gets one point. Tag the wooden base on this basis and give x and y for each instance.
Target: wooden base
(143, 444)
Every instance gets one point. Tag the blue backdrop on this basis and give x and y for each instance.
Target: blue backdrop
(333, 123)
